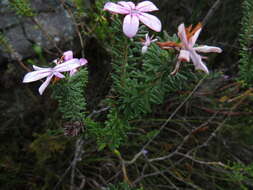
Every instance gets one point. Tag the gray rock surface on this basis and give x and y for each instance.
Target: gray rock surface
(54, 28)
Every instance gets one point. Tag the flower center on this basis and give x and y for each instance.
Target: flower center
(135, 11)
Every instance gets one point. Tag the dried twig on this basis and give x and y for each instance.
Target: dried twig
(76, 25)
(166, 122)
(211, 12)
(77, 154)
(78, 157)
(187, 155)
(201, 161)
(183, 142)
(165, 177)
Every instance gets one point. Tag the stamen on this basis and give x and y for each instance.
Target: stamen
(166, 45)
(134, 11)
(191, 31)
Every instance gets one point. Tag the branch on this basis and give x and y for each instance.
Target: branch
(184, 141)
(211, 12)
(166, 122)
(78, 157)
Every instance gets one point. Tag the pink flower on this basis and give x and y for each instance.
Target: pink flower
(189, 52)
(68, 55)
(188, 37)
(134, 14)
(147, 43)
(70, 65)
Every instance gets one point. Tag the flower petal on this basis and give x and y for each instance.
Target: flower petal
(194, 38)
(154, 40)
(146, 6)
(72, 72)
(129, 5)
(182, 34)
(115, 8)
(37, 75)
(184, 56)
(150, 21)
(147, 40)
(197, 62)
(45, 84)
(55, 61)
(83, 61)
(67, 66)
(208, 49)
(130, 25)
(36, 68)
(144, 49)
(59, 75)
(68, 55)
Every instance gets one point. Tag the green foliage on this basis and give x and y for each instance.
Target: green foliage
(22, 8)
(246, 39)
(100, 25)
(111, 133)
(70, 96)
(79, 12)
(2, 39)
(4, 43)
(45, 146)
(140, 81)
(115, 129)
(242, 128)
(40, 59)
(242, 175)
(79, 4)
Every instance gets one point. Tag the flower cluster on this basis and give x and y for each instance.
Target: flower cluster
(147, 43)
(134, 15)
(188, 36)
(65, 64)
(187, 51)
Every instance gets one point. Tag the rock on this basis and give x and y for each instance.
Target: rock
(52, 26)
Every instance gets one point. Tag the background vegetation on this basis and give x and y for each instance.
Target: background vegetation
(124, 122)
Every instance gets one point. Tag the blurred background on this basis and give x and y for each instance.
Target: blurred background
(35, 153)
